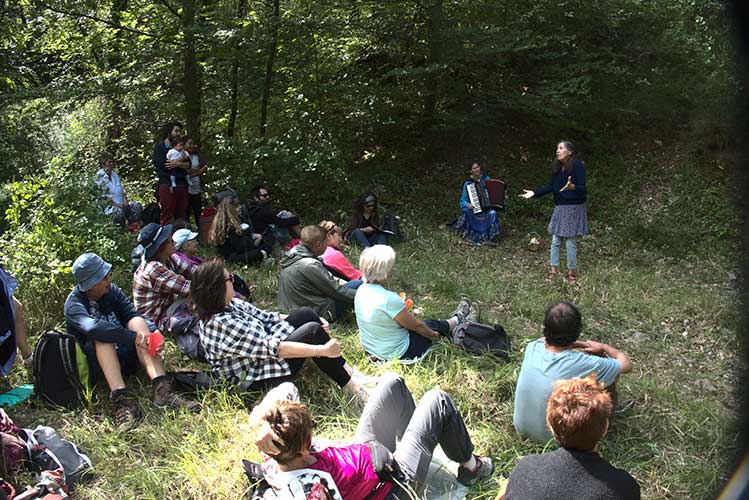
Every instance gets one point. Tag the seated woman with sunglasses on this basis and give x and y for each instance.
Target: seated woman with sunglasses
(333, 258)
(388, 458)
(365, 225)
(256, 348)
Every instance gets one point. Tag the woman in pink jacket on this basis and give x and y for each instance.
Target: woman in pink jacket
(333, 258)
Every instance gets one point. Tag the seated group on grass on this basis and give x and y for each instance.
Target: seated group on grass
(258, 349)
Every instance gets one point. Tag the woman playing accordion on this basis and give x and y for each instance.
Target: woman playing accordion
(478, 223)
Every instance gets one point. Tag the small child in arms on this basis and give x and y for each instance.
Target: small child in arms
(177, 153)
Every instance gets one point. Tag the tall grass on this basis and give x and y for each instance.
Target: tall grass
(655, 282)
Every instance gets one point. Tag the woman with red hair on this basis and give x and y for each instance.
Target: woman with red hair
(578, 415)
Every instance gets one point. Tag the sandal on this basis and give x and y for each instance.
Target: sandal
(551, 276)
(571, 278)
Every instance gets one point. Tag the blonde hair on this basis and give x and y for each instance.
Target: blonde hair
(328, 225)
(313, 234)
(376, 262)
(227, 218)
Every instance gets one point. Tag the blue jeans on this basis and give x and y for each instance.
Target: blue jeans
(340, 306)
(376, 238)
(556, 248)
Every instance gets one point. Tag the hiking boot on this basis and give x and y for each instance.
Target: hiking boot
(474, 314)
(127, 412)
(463, 309)
(484, 468)
(164, 395)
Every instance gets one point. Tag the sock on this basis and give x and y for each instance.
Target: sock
(117, 393)
(452, 323)
(471, 464)
(264, 253)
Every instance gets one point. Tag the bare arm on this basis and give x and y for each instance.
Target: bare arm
(138, 325)
(601, 349)
(289, 350)
(407, 320)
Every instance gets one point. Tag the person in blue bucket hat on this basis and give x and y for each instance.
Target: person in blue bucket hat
(114, 338)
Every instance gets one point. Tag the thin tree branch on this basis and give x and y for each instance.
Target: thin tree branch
(43, 5)
(171, 9)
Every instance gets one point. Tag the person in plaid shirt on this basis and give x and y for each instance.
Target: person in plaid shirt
(161, 278)
(256, 348)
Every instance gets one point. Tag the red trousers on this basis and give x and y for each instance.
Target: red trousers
(173, 204)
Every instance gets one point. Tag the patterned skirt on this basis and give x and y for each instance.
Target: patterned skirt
(477, 229)
(569, 221)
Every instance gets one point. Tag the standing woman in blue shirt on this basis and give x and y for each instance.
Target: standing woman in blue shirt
(570, 217)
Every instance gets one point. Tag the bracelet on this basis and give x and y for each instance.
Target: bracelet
(316, 352)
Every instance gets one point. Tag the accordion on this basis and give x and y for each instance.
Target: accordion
(491, 198)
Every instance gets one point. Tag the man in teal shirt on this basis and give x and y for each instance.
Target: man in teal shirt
(560, 356)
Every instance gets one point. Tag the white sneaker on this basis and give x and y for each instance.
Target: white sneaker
(363, 379)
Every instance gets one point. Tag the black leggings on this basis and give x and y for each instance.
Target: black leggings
(308, 330)
(195, 202)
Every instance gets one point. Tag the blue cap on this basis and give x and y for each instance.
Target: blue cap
(152, 236)
(89, 269)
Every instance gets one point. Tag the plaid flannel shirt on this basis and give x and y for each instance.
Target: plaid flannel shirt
(156, 286)
(241, 343)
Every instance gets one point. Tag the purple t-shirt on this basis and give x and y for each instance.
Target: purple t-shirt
(352, 471)
(195, 261)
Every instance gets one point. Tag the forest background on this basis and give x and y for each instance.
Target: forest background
(324, 99)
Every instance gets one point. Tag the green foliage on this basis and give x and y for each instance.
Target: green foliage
(427, 80)
(52, 219)
(678, 437)
(303, 165)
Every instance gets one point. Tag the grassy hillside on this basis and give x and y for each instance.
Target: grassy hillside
(657, 279)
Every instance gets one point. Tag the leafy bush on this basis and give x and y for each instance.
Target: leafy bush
(303, 166)
(50, 222)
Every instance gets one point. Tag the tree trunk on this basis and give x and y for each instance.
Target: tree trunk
(241, 11)
(117, 114)
(191, 76)
(434, 34)
(269, 68)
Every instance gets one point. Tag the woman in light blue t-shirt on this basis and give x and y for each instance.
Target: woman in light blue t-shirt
(387, 329)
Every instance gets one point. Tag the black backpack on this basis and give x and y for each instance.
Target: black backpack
(61, 374)
(391, 223)
(151, 213)
(482, 339)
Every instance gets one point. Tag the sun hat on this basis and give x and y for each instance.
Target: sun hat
(89, 269)
(152, 236)
(180, 236)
